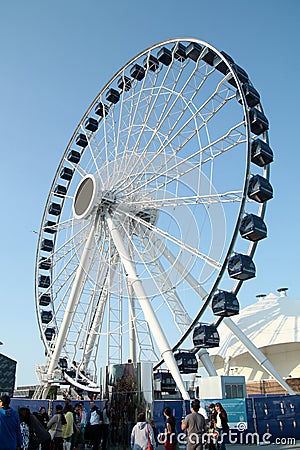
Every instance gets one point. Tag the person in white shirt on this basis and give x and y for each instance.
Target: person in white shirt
(204, 413)
(142, 434)
(95, 421)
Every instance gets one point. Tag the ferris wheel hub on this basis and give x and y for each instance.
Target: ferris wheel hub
(89, 197)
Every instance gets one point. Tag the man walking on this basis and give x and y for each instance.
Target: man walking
(95, 420)
(10, 431)
(195, 426)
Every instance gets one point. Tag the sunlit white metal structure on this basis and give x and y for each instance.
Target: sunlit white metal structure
(145, 210)
(272, 326)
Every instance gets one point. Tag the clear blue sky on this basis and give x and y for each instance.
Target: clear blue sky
(57, 55)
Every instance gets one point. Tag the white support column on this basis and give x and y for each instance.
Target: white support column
(73, 301)
(257, 354)
(162, 343)
(203, 353)
(132, 330)
(98, 319)
(207, 362)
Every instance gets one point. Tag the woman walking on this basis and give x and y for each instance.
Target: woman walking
(170, 433)
(142, 434)
(26, 430)
(55, 428)
(68, 427)
(221, 426)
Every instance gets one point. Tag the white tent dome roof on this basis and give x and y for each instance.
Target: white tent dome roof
(273, 319)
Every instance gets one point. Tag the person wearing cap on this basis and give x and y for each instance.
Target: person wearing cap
(10, 430)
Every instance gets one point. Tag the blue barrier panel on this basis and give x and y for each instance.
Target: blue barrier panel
(265, 409)
(292, 404)
(250, 415)
(179, 409)
(289, 428)
(99, 403)
(33, 405)
(278, 415)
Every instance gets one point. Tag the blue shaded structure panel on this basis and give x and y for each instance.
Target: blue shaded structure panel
(279, 416)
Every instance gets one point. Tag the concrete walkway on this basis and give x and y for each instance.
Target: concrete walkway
(271, 446)
(284, 445)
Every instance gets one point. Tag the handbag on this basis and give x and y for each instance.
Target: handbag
(52, 431)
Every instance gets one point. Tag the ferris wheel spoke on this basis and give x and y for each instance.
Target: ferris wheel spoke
(97, 148)
(181, 269)
(121, 121)
(208, 199)
(68, 245)
(151, 101)
(134, 111)
(191, 250)
(169, 106)
(170, 174)
(64, 276)
(160, 90)
(181, 317)
(90, 139)
(178, 147)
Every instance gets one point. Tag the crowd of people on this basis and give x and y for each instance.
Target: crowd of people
(69, 428)
(72, 427)
(200, 430)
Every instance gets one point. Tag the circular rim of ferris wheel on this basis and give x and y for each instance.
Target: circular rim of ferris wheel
(161, 157)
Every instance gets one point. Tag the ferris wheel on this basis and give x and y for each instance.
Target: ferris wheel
(154, 213)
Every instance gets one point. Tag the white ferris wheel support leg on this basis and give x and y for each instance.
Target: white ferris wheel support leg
(252, 349)
(162, 343)
(132, 337)
(98, 319)
(257, 354)
(73, 301)
(203, 354)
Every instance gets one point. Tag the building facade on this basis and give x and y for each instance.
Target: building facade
(7, 375)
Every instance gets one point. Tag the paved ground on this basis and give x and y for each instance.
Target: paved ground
(278, 446)
(284, 445)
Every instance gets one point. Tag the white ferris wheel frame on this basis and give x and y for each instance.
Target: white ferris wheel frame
(101, 215)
